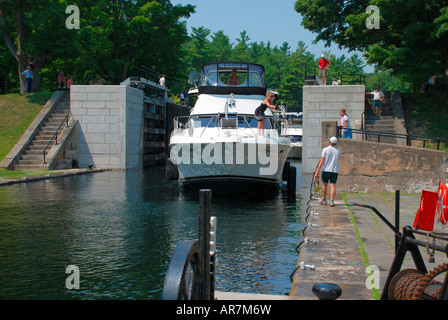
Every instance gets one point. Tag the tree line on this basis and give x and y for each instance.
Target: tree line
(114, 39)
(119, 38)
(408, 38)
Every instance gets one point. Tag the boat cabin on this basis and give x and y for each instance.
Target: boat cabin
(232, 77)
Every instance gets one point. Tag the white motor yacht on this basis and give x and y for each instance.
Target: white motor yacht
(292, 128)
(219, 146)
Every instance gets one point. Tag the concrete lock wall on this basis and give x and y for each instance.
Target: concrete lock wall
(110, 125)
(322, 103)
(366, 166)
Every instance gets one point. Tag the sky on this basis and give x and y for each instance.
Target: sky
(263, 20)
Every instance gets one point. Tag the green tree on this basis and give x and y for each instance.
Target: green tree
(35, 33)
(115, 37)
(220, 47)
(119, 36)
(8, 72)
(241, 50)
(386, 81)
(199, 48)
(410, 41)
(291, 86)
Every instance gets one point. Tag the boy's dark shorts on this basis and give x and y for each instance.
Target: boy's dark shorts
(329, 176)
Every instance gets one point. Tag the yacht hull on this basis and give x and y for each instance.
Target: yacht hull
(231, 166)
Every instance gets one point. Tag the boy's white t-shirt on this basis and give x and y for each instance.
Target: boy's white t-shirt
(331, 155)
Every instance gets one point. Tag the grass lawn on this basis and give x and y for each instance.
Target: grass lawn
(17, 111)
(12, 174)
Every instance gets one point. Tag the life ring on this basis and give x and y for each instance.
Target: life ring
(442, 204)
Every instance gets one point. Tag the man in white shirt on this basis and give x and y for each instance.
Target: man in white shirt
(162, 81)
(329, 163)
(378, 97)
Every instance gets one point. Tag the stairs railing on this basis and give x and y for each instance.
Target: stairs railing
(55, 135)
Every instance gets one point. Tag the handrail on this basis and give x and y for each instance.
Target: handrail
(55, 135)
(362, 77)
(406, 136)
(149, 73)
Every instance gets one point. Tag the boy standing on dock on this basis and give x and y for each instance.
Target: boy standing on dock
(329, 163)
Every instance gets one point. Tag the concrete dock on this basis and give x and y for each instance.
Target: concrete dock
(343, 240)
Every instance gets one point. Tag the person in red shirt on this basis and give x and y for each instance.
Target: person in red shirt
(323, 66)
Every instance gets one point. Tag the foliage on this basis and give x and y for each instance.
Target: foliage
(117, 37)
(386, 81)
(285, 71)
(410, 42)
(426, 115)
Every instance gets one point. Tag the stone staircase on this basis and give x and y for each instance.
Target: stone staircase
(387, 121)
(32, 157)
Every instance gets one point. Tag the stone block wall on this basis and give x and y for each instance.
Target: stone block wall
(322, 103)
(366, 166)
(110, 125)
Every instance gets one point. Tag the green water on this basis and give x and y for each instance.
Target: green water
(120, 228)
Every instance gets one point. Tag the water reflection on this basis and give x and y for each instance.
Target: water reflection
(120, 229)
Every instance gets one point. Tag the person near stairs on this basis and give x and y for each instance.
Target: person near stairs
(61, 80)
(345, 123)
(28, 75)
(329, 163)
(378, 97)
(70, 82)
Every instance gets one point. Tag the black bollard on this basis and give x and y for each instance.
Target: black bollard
(291, 185)
(327, 291)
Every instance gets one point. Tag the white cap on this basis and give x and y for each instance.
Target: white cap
(323, 55)
(333, 140)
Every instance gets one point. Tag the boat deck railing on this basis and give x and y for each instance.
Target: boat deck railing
(222, 121)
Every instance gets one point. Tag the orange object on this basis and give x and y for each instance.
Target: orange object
(442, 203)
(424, 220)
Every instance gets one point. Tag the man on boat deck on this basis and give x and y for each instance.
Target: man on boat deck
(233, 79)
(329, 163)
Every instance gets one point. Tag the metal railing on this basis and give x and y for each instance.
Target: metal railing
(408, 137)
(361, 76)
(149, 73)
(407, 242)
(183, 122)
(55, 135)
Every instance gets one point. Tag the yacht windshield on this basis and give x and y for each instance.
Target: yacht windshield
(233, 75)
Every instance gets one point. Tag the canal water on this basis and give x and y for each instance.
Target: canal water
(119, 230)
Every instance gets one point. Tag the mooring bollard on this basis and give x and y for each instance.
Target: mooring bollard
(327, 291)
(291, 185)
